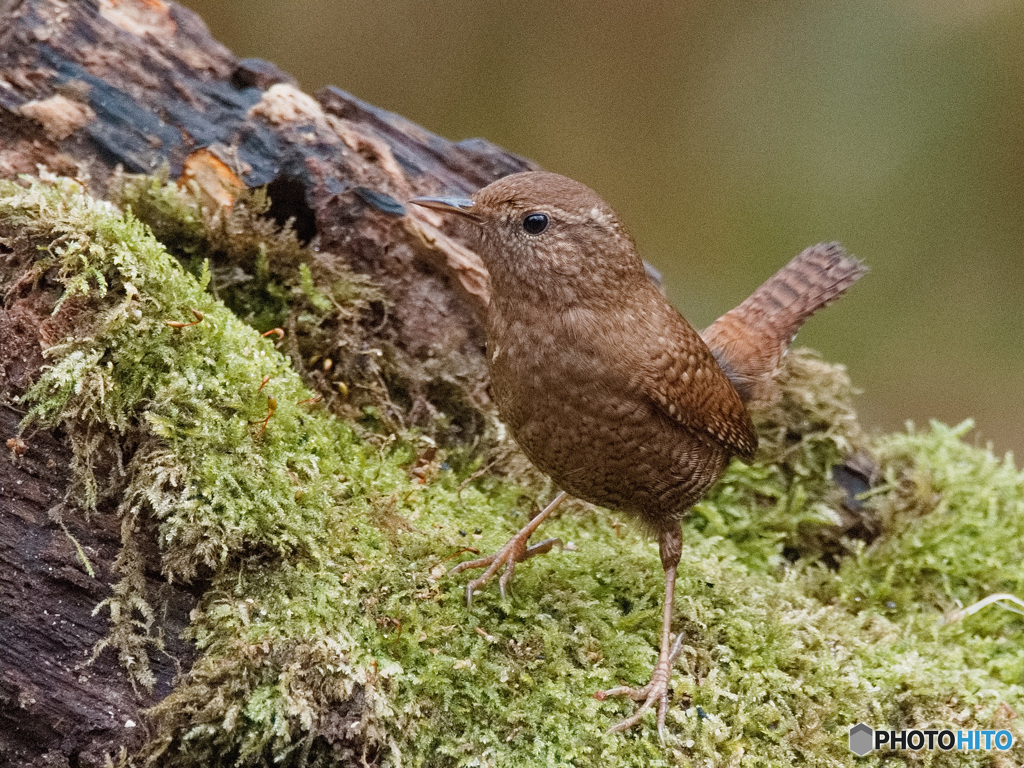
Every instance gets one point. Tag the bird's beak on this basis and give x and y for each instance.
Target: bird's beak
(460, 205)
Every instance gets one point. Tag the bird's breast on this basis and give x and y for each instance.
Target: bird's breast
(574, 409)
(538, 368)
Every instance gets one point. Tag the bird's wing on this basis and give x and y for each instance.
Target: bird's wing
(678, 372)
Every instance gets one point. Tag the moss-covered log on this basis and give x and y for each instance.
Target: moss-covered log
(221, 547)
(86, 88)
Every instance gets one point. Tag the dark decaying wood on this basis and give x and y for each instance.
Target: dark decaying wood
(56, 707)
(86, 87)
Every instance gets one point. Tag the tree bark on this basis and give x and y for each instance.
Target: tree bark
(85, 88)
(57, 706)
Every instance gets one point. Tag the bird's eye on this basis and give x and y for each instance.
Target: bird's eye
(535, 223)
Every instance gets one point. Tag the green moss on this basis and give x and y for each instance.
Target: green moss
(253, 261)
(338, 334)
(954, 516)
(784, 505)
(329, 634)
(267, 278)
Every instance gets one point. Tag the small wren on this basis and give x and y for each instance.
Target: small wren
(602, 382)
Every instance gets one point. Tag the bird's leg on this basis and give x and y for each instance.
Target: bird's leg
(656, 691)
(514, 551)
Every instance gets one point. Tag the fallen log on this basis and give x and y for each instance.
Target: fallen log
(89, 89)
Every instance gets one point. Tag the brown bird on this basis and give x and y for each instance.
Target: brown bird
(604, 385)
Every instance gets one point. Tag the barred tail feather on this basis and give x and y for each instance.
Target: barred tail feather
(750, 340)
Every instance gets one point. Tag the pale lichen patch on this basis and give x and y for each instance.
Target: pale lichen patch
(58, 115)
(283, 103)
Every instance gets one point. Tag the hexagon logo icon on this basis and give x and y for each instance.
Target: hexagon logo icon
(862, 739)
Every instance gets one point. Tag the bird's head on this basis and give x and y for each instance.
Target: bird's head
(545, 232)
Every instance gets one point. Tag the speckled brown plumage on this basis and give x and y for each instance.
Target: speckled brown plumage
(750, 340)
(602, 382)
(636, 440)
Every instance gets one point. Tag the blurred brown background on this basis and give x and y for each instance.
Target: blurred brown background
(729, 136)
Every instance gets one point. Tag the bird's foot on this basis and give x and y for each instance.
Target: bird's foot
(514, 551)
(655, 692)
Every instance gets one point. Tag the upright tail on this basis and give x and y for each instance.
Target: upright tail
(750, 340)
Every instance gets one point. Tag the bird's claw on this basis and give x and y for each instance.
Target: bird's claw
(514, 551)
(655, 692)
